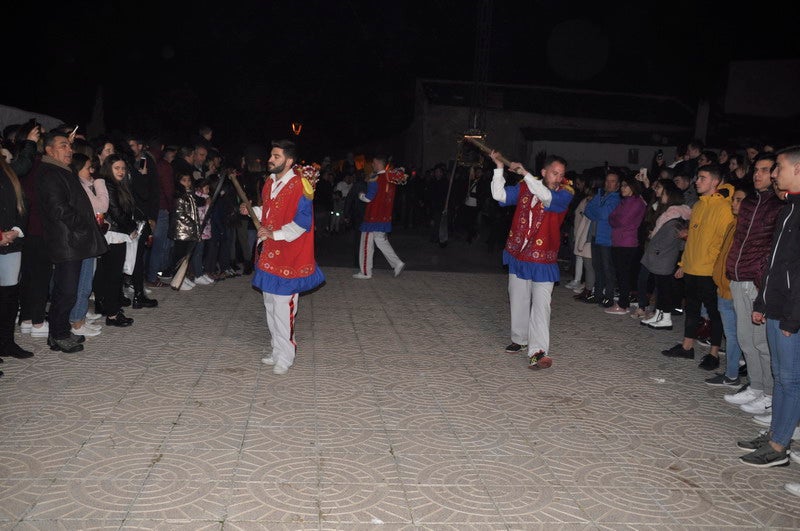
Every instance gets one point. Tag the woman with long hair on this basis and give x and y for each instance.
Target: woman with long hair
(121, 230)
(625, 220)
(12, 220)
(661, 255)
(84, 168)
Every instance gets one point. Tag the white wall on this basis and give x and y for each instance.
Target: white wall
(581, 156)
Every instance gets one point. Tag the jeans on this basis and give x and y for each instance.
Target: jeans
(197, 259)
(786, 393)
(160, 252)
(78, 312)
(604, 275)
(732, 350)
(10, 264)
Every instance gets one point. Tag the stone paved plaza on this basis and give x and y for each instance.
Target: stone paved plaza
(402, 412)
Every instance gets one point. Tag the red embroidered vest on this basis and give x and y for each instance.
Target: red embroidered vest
(380, 209)
(293, 259)
(535, 234)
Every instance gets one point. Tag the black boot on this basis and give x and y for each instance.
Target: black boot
(141, 300)
(9, 304)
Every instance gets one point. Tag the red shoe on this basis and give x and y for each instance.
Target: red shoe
(540, 361)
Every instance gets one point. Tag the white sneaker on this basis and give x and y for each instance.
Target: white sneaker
(85, 331)
(573, 285)
(793, 488)
(663, 321)
(186, 286)
(794, 456)
(202, 281)
(653, 318)
(91, 316)
(759, 406)
(361, 275)
(743, 397)
(25, 327)
(763, 420)
(40, 331)
(399, 269)
(208, 279)
(268, 360)
(280, 369)
(189, 281)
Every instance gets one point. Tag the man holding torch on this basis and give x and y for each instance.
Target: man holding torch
(531, 250)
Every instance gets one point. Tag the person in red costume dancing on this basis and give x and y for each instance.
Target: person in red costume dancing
(286, 266)
(377, 221)
(531, 251)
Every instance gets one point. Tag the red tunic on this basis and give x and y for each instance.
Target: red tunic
(535, 234)
(293, 259)
(380, 209)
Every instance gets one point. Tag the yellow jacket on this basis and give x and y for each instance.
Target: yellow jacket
(711, 216)
(722, 281)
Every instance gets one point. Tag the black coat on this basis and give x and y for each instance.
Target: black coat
(70, 230)
(779, 297)
(119, 219)
(9, 215)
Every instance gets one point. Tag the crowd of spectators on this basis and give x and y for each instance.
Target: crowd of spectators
(700, 238)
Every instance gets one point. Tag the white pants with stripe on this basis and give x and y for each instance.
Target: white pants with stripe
(530, 313)
(366, 251)
(281, 310)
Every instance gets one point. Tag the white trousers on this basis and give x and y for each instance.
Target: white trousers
(366, 251)
(281, 310)
(530, 313)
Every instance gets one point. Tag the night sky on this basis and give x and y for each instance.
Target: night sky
(347, 69)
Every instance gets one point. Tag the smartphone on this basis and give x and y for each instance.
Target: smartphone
(142, 163)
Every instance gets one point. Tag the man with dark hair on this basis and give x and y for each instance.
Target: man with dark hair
(71, 234)
(531, 251)
(598, 211)
(286, 266)
(160, 250)
(778, 308)
(691, 163)
(377, 221)
(745, 267)
(711, 216)
(684, 182)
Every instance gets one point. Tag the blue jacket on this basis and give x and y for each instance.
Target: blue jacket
(598, 210)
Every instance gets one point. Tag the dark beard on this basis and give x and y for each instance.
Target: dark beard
(278, 170)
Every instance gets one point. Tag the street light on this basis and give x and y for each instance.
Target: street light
(297, 127)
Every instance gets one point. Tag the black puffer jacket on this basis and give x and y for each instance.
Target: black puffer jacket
(779, 298)
(70, 230)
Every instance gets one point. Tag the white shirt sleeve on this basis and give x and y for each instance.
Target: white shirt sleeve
(19, 232)
(289, 232)
(538, 189)
(498, 186)
(258, 210)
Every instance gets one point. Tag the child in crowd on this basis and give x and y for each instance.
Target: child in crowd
(183, 226)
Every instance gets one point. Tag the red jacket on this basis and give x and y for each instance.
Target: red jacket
(752, 241)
